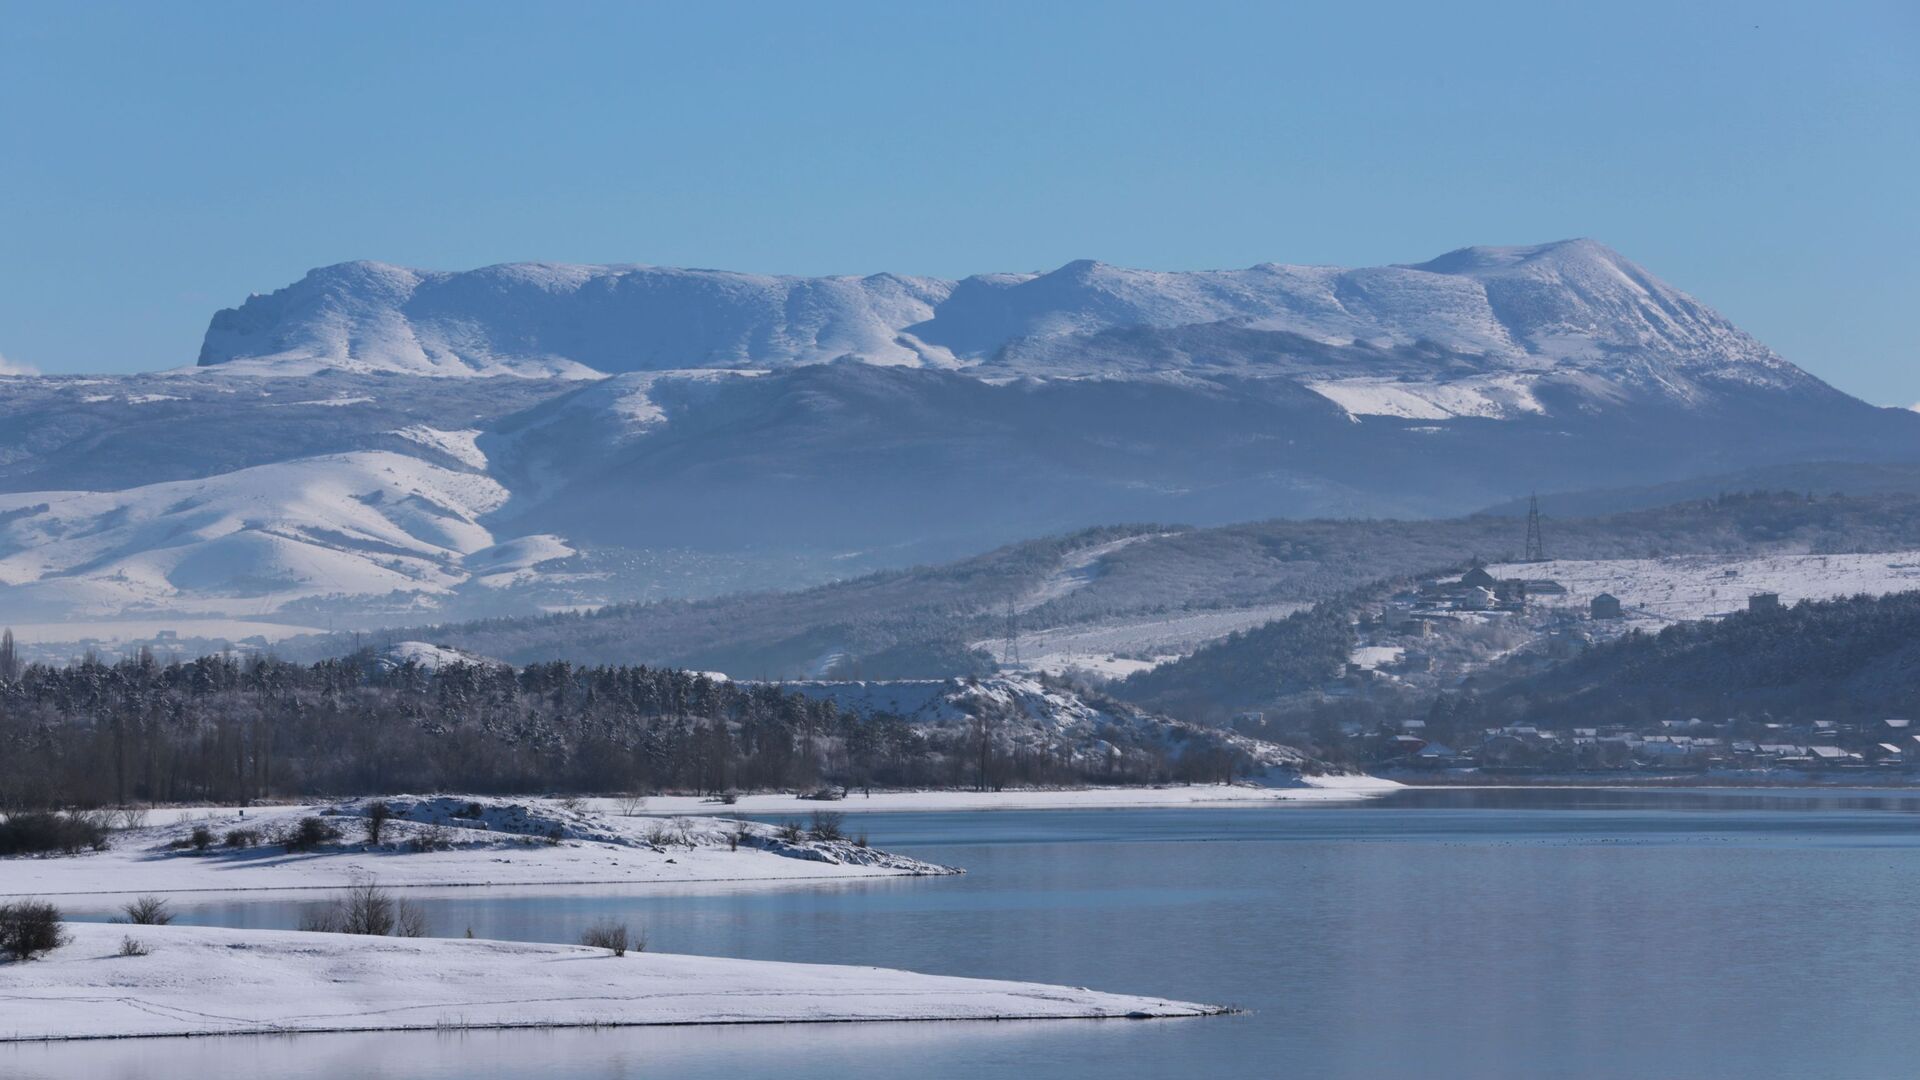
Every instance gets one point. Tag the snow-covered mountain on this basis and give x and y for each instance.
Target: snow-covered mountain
(1568, 311)
(675, 432)
(547, 319)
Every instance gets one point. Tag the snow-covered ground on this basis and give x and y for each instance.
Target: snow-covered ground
(1107, 647)
(1688, 587)
(361, 523)
(440, 841)
(427, 655)
(205, 981)
(111, 631)
(1077, 571)
(1372, 656)
(1495, 397)
(1312, 789)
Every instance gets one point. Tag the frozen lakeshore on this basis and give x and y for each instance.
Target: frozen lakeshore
(1309, 789)
(446, 841)
(205, 981)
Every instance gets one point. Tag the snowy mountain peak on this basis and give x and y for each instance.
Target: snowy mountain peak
(1482, 259)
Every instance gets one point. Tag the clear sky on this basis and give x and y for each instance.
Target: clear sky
(159, 161)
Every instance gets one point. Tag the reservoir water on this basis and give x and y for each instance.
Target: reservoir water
(1509, 933)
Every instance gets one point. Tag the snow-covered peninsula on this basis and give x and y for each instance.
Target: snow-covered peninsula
(204, 981)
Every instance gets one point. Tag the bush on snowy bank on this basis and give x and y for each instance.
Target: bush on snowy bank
(613, 936)
(310, 834)
(148, 911)
(29, 928)
(367, 909)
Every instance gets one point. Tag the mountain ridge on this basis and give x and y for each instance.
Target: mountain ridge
(1573, 305)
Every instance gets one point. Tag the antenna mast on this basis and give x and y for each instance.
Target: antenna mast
(1536, 547)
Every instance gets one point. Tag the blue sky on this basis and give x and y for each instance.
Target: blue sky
(159, 161)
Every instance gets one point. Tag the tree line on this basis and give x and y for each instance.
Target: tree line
(225, 730)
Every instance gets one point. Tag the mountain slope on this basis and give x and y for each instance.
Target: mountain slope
(362, 523)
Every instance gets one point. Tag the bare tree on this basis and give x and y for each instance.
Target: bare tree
(828, 825)
(148, 911)
(378, 815)
(367, 909)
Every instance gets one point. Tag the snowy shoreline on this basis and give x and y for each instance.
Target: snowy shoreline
(209, 981)
(1315, 789)
(447, 841)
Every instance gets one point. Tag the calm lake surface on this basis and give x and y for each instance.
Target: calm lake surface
(1505, 933)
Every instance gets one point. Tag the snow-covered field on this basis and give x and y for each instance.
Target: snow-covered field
(1688, 587)
(205, 981)
(441, 842)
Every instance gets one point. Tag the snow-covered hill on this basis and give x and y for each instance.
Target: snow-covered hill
(1024, 715)
(361, 523)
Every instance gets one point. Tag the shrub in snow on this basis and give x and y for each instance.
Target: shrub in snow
(790, 831)
(148, 911)
(613, 936)
(202, 838)
(310, 834)
(429, 838)
(242, 838)
(29, 928)
(130, 947)
(37, 832)
(828, 825)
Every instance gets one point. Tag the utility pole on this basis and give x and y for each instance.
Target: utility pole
(1010, 649)
(1536, 547)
